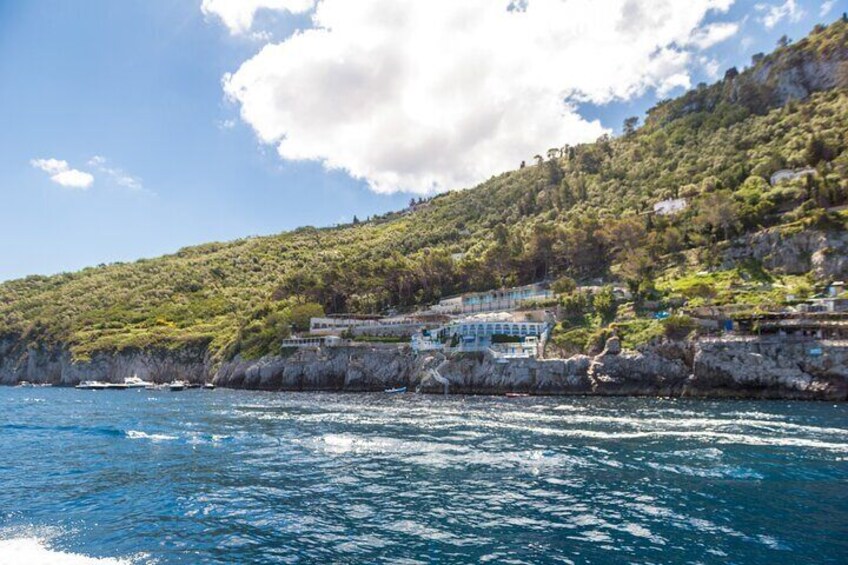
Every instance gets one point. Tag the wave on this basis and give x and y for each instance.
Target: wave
(135, 434)
(33, 551)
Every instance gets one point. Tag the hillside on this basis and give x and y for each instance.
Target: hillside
(576, 212)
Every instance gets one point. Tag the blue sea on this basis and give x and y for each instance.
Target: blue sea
(194, 477)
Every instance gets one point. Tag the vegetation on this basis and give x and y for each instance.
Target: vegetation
(583, 213)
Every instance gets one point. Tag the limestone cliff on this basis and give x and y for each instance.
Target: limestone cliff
(726, 368)
(824, 254)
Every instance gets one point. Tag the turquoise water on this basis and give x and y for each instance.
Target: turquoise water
(242, 477)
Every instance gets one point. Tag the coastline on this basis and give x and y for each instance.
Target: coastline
(718, 368)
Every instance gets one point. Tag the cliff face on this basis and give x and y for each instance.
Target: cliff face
(825, 254)
(46, 365)
(794, 75)
(331, 368)
(816, 63)
(708, 369)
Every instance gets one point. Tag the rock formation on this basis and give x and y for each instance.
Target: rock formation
(717, 368)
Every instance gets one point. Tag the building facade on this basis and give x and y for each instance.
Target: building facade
(494, 300)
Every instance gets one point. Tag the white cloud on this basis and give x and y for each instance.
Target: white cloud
(226, 124)
(117, 175)
(238, 15)
(707, 36)
(50, 166)
(826, 7)
(711, 67)
(773, 14)
(62, 174)
(429, 96)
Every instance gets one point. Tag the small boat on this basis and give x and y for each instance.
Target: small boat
(177, 386)
(25, 384)
(92, 385)
(135, 382)
(208, 386)
(398, 390)
(516, 395)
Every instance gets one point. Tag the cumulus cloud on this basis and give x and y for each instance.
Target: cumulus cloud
(238, 15)
(429, 96)
(711, 67)
(62, 174)
(707, 36)
(826, 7)
(117, 175)
(773, 14)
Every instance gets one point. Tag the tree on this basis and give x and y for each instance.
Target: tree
(718, 212)
(784, 41)
(604, 304)
(816, 151)
(355, 220)
(564, 285)
(501, 234)
(624, 235)
(630, 125)
(636, 269)
(300, 315)
(540, 249)
(554, 172)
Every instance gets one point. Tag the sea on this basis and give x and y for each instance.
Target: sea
(237, 477)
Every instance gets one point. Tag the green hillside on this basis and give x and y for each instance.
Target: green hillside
(576, 212)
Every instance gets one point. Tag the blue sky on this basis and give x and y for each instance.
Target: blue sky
(131, 93)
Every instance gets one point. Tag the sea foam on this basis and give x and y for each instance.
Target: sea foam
(32, 551)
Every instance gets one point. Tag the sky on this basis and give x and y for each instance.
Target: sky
(131, 129)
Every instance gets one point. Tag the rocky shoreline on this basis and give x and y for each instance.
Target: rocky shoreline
(706, 368)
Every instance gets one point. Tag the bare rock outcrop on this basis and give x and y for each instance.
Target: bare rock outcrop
(717, 368)
(823, 253)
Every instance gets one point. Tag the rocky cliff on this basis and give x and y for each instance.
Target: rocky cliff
(55, 365)
(726, 368)
(822, 253)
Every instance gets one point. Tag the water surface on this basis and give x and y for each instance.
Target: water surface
(243, 477)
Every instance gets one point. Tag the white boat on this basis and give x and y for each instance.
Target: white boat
(135, 382)
(177, 386)
(96, 385)
(208, 386)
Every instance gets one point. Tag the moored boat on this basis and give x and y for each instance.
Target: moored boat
(398, 390)
(135, 382)
(94, 385)
(177, 386)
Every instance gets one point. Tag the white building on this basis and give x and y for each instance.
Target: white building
(492, 300)
(790, 174)
(396, 326)
(509, 333)
(319, 341)
(670, 206)
(333, 325)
